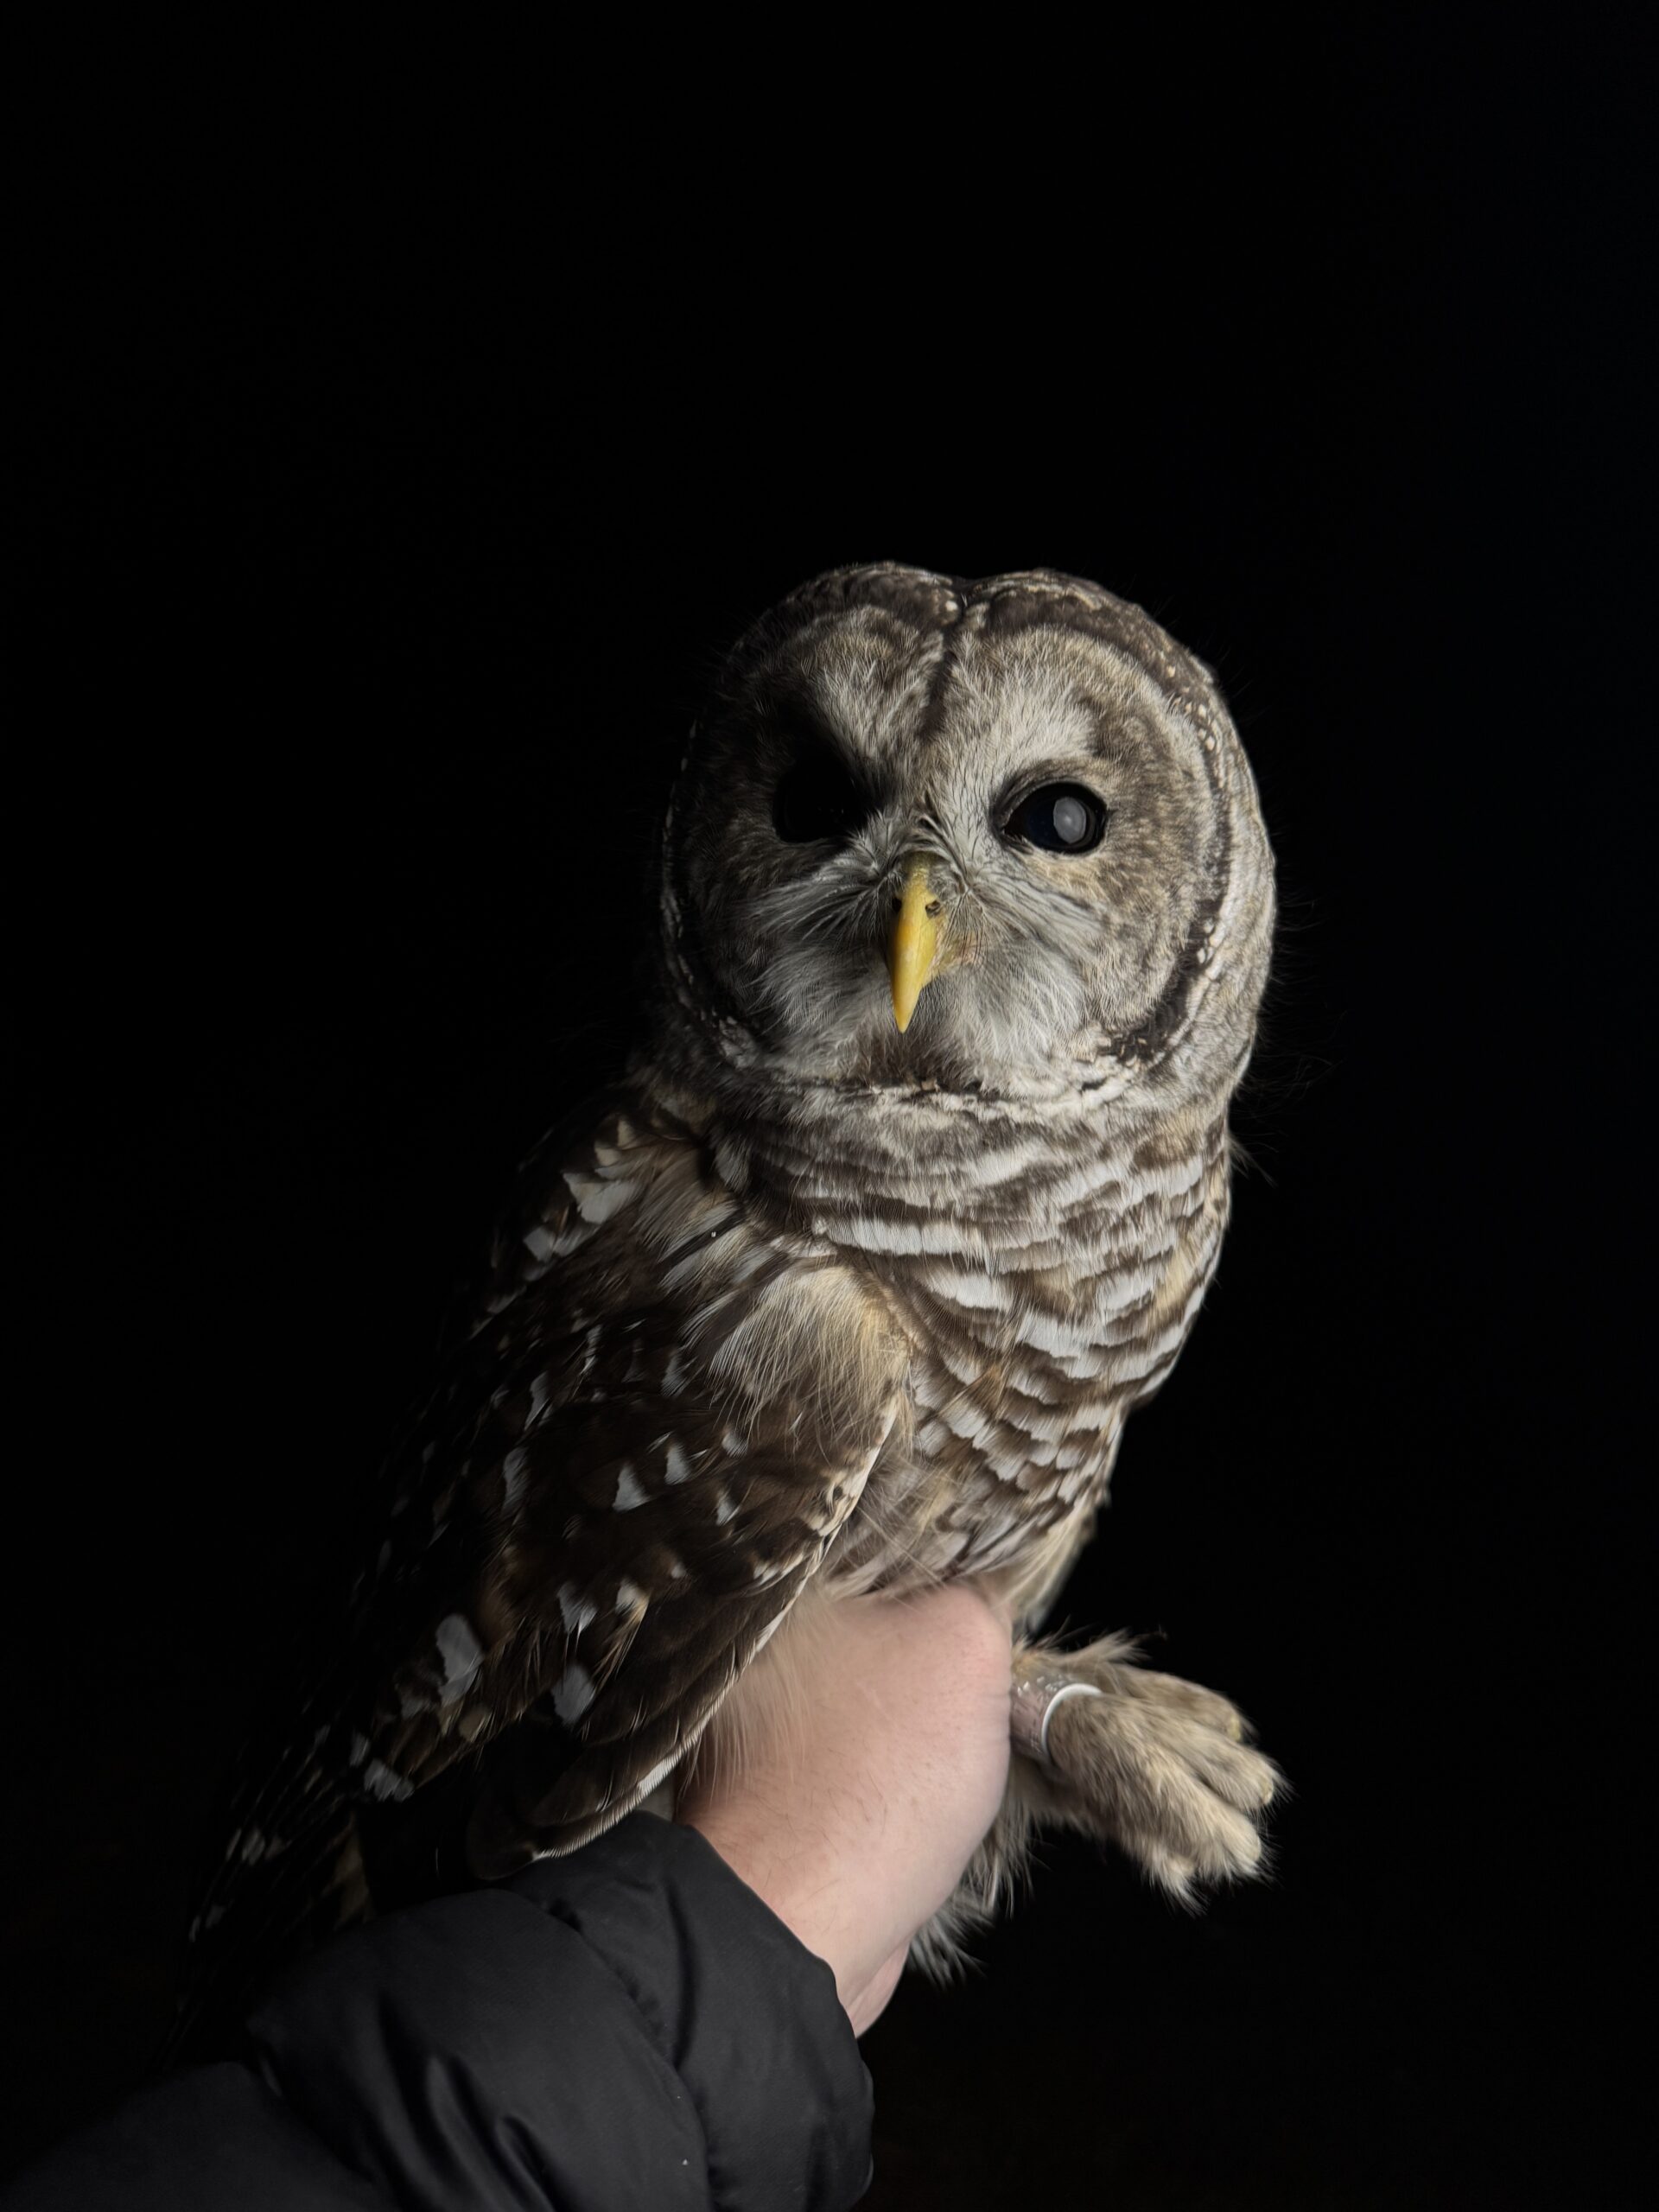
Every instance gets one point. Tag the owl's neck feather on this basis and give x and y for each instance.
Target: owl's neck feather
(926, 1143)
(1010, 1162)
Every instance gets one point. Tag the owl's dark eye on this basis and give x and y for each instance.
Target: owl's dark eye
(819, 801)
(1059, 818)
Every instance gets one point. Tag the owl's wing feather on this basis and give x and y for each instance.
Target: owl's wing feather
(636, 1456)
(661, 1419)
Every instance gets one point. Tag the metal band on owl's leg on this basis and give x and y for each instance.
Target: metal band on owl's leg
(1035, 1698)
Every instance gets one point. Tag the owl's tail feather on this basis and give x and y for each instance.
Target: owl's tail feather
(272, 1899)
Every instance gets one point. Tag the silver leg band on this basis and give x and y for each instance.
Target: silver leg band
(1035, 1698)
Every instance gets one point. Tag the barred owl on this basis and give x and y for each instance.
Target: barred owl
(908, 1196)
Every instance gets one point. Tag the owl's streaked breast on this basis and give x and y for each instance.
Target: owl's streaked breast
(1045, 1290)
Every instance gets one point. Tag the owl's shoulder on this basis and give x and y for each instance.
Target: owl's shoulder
(637, 1213)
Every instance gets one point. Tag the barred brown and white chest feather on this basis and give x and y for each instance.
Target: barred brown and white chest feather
(1044, 1291)
(910, 1196)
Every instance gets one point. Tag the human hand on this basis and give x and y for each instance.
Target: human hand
(874, 1757)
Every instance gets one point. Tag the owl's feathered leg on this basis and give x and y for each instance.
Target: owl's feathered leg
(1160, 1767)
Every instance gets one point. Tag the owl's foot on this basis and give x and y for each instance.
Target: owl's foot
(1160, 1767)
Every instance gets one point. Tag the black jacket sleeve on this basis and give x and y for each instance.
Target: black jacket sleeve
(629, 2026)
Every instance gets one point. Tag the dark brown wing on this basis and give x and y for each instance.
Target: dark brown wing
(626, 1473)
(666, 1417)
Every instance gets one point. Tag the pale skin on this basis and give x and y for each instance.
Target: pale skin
(854, 1820)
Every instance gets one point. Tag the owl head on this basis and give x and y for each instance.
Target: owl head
(994, 837)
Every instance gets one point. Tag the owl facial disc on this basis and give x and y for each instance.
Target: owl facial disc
(1017, 795)
(914, 948)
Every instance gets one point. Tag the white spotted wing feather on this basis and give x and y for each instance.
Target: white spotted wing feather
(635, 1463)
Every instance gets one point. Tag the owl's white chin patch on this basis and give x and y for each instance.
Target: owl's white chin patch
(823, 1011)
(832, 1021)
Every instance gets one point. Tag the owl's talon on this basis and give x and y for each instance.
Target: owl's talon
(1158, 1766)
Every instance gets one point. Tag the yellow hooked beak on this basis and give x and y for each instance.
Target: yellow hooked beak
(914, 948)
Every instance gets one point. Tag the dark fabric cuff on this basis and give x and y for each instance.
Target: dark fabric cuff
(628, 2027)
(747, 2016)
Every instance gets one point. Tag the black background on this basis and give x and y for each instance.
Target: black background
(388, 530)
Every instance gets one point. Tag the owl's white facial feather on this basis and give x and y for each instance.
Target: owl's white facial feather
(942, 708)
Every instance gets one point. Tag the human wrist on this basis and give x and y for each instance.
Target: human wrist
(799, 1879)
(853, 1824)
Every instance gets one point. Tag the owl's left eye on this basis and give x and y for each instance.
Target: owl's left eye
(819, 801)
(1059, 818)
